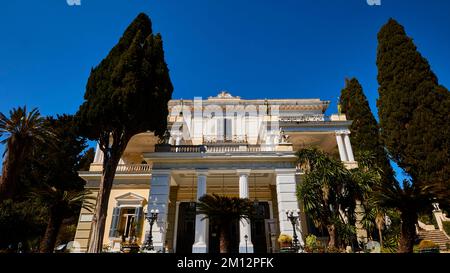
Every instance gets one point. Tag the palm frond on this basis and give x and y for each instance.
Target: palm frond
(224, 209)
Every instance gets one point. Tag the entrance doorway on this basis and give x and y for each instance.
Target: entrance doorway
(186, 227)
(214, 237)
(186, 230)
(258, 227)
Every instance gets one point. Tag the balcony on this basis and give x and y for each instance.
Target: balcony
(222, 148)
(305, 118)
(208, 139)
(134, 168)
(124, 168)
(167, 148)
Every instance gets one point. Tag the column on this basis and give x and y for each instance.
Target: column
(287, 200)
(159, 199)
(245, 246)
(341, 146)
(197, 135)
(348, 147)
(200, 225)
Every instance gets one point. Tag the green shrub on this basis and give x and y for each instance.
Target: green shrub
(311, 241)
(446, 225)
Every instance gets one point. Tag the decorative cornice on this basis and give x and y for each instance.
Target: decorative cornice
(201, 172)
(342, 132)
(245, 172)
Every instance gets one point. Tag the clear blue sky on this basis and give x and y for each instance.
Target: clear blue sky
(253, 48)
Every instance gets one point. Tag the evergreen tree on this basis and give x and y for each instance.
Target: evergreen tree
(51, 171)
(364, 129)
(87, 159)
(413, 108)
(414, 111)
(126, 94)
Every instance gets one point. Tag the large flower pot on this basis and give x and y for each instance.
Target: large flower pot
(130, 249)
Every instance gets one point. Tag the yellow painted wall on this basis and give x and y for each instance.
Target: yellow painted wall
(112, 203)
(83, 228)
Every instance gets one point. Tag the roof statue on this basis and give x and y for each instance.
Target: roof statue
(224, 95)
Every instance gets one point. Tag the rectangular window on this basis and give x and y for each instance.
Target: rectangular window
(228, 129)
(126, 221)
(225, 129)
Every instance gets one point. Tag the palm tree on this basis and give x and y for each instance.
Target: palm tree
(323, 190)
(410, 199)
(374, 217)
(224, 211)
(60, 205)
(20, 132)
(330, 192)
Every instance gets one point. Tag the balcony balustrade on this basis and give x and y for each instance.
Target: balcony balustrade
(224, 139)
(133, 168)
(213, 148)
(305, 118)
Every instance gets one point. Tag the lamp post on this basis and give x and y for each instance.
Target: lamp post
(246, 239)
(293, 218)
(148, 245)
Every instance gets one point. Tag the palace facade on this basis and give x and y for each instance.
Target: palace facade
(224, 145)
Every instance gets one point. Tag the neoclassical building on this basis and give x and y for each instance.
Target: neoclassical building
(224, 145)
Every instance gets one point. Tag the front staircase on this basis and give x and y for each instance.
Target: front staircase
(437, 236)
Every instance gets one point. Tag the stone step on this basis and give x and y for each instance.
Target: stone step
(436, 236)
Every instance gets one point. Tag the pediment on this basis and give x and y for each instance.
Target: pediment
(130, 198)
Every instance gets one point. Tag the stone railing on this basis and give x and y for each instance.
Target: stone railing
(305, 118)
(224, 139)
(124, 168)
(424, 226)
(218, 148)
(133, 168)
(165, 148)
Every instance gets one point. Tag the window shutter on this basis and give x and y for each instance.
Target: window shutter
(138, 220)
(115, 222)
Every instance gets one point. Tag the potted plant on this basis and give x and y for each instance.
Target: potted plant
(130, 245)
(285, 240)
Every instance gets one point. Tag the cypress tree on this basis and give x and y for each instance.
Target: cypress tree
(414, 111)
(126, 94)
(364, 129)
